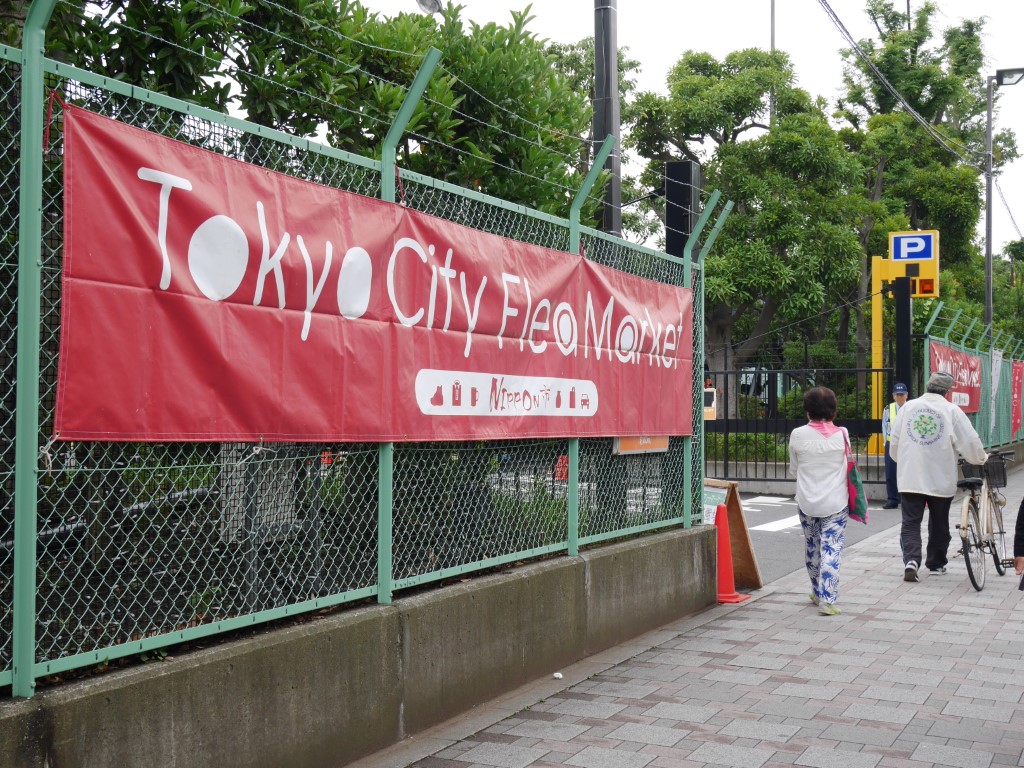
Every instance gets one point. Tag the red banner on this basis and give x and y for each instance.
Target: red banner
(966, 372)
(208, 299)
(1017, 387)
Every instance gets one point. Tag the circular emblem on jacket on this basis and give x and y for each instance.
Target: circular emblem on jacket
(927, 427)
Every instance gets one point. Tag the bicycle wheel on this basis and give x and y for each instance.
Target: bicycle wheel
(998, 535)
(973, 547)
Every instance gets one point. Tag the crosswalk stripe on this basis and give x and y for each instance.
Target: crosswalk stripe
(779, 525)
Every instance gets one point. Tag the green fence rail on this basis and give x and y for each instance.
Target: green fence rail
(113, 549)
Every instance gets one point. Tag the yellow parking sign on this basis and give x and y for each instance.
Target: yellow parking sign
(918, 251)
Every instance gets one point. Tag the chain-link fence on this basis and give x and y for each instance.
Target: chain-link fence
(10, 83)
(139, 545)
(992, 399)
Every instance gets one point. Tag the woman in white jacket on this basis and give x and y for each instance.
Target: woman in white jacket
(817, 459)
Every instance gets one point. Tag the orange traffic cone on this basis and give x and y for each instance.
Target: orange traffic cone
(726, 581)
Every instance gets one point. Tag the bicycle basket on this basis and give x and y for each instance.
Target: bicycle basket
(994, 469)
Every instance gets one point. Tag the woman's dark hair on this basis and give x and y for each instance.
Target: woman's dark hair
(820, 403)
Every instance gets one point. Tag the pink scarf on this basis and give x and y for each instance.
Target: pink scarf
(826, 428)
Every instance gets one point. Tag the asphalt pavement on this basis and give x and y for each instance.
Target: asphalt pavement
(909, 675)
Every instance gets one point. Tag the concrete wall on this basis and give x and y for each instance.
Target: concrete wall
(326, 693)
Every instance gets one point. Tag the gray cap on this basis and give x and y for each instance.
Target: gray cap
(940, 381)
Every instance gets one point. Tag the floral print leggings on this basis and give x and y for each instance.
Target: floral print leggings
(824, 536)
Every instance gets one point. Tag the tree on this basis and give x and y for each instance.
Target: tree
(497, 116)
(918, 176)
(789, 248)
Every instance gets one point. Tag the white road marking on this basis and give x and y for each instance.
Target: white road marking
(770, 500)
(779, 525)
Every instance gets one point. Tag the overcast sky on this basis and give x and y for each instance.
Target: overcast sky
(658, 32)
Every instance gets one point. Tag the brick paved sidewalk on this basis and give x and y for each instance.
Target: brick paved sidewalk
(910, 675)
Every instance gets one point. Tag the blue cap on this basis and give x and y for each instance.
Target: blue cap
(899, 389)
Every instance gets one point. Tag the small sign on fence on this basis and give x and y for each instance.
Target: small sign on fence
(626, 446)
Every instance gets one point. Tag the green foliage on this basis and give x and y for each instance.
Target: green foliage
(913, 181)
(498, 116)
(790, 246)
(540, 518)
(746, 446)
(824, 354)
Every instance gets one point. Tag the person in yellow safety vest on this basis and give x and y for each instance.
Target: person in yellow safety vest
(899, 396)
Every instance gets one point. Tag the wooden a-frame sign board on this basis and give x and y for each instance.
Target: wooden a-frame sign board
(744, 563)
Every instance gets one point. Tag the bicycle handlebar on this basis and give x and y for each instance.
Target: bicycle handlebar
(1011, 455)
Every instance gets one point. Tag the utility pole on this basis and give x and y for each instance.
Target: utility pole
(606, 106)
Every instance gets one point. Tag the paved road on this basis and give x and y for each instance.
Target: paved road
(779, 542)
(909, 676)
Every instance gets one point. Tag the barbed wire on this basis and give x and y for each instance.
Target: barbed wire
(570, 160)
(362, 115)
(570, 190)
(795, 323)
(455, 110)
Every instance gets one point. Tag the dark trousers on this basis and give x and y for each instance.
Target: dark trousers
(892, 492)
(913, 505)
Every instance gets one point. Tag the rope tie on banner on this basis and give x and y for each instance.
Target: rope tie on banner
(44, 455)
(401, 189)
(54, 94)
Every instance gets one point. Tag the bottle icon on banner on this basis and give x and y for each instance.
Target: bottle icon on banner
(457, 393)
(572, 397)
(558, 399)
(438, 398)
(474, 395)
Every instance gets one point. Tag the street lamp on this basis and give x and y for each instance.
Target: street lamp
(1001, 77)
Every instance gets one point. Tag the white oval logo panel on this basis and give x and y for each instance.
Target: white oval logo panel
(218, 254)
(354, 283)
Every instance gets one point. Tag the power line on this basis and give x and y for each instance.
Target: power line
(949, 144)
(1008, 211)
(811, 318)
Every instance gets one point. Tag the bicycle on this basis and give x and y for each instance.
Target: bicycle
(981, 518)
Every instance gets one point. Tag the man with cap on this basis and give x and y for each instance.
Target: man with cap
(925, 438)
(899, 397)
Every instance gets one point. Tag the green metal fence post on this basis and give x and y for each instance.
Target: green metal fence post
(584, 190)
(697, 438)
(952, 323)
(719, 223)
(30, 239)
(390, 146)
(967, 335)
(702, 221)
(927, 366)
(386, 451)
(986, 332)
(934, 317)
(385, 506)
(572, 498)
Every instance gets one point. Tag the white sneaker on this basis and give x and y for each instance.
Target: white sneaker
(910, 572)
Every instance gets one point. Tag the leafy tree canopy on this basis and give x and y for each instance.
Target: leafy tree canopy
(497, 115)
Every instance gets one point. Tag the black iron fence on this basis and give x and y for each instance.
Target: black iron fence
(751, 413)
